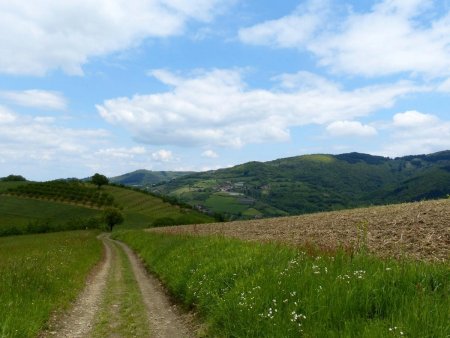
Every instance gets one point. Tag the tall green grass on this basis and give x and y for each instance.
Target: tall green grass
(40, 274)
(265, 290)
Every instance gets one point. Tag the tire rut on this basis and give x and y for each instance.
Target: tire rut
(78, 322)
(164, 319)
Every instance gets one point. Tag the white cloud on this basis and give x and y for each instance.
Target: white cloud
(121, 152)
(43, 35)
(393, 37)
(163, 155)
(350, 128)
(6, 116)
(210, 154)
(414, 119)
(217, 108)
(290, 31)
(444, 86)
(36, 99)
(413, 132)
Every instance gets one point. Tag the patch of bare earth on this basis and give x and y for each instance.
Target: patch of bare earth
(164, 318)
(418, 230)
(79, 320)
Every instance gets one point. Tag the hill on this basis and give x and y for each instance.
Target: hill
(313, 183)
(144, 178)
(27, 207)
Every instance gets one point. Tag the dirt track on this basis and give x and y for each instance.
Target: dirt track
(418, 230)
(87, 316)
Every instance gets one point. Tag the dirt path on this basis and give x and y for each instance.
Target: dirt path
(121, 300)
(165, 319)
(79, 320)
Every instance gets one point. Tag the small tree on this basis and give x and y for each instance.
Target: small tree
(112, 217)
(99, 180)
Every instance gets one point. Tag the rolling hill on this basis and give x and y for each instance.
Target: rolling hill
(313, 183)
(27, 207)
(144, 178)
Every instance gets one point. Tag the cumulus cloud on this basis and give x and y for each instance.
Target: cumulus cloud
(43, 35)
(36, 99)
(23, 136)
(210, 154)
(163, 155)
(414, 132)
(393, 37)
(350, 128)
(218, 108)
(414, 119)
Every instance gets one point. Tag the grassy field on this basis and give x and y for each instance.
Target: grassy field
(40, 274)
(221, 202)
(142, 210)
(246, 289)
(28, 214)
(19, 215)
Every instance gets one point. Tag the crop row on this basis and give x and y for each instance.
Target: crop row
(64, 191)
(265, 290)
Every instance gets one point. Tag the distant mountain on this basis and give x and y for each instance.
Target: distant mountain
(312, 183)
(143, 178)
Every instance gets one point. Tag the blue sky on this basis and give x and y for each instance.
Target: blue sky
(113, 86)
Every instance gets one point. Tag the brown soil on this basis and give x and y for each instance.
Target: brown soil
(165, 320)
(418, 230)
(79, 320)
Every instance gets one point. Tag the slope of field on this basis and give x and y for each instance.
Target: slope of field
(141, 210)
(419, 230)
(314, 183)
(65, 205)
(20, 215)
(40, 274)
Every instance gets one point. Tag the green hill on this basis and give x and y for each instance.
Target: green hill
(313, 183)
(27, 207)
(145, 178)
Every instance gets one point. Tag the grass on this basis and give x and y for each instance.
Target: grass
(253, 290)
(223, 203)
(19, 215)
(122, 312)
(40, 274)
(142, 210)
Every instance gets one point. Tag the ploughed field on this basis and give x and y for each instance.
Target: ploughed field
(419, 230)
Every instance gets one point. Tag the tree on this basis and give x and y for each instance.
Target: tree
(99, 180)
(13, 178)
(112, 217)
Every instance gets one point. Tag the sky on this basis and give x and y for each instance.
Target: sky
(113, 86)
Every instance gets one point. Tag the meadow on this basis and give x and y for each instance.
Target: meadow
(20, 215)
(248, 289)
(142, 210)
(40, 274)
